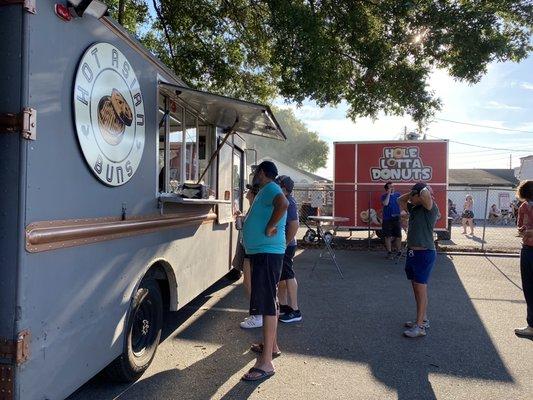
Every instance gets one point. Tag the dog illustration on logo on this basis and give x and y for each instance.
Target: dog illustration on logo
(114, 114)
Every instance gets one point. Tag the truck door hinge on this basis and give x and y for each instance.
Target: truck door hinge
(7, 383)
(25, 122)
(29, 5)
(16, 351)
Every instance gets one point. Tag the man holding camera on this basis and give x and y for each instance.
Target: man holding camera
(391, 226)
(421, 254)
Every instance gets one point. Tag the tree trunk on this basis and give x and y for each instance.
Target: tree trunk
(167, 35)
(121, 8)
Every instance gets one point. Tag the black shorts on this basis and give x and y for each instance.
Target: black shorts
(287, 272)
(392, 228)
(266, 271)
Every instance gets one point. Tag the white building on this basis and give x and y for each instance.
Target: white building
(310, 190)
(302, 179)
(525, 171)
(487, 187)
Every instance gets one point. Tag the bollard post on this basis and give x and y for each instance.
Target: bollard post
(485, 220)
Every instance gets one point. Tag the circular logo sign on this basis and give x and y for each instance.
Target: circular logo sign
(109, 114)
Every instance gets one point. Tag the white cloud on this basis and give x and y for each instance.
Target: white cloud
(495, 105)
(526, 85)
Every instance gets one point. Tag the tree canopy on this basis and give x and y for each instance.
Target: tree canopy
(302, 149)
(376, 55)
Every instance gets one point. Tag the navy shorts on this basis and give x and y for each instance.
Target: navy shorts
(287, 272)
(392, 228)
(266, 271)
(418, 265)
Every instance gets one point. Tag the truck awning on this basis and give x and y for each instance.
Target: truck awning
(226, 112)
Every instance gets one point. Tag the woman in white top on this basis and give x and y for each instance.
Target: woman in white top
(468, 214)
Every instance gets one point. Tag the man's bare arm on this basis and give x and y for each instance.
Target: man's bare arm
(386, 200)
(427, 200)
(280, 207)
(292, 229)
(402, 201)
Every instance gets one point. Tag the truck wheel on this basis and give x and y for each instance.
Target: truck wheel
(143, 332)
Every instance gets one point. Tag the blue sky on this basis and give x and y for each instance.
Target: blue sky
(502, 99)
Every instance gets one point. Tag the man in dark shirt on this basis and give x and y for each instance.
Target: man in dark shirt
(288, 287)
(391, 226)
(421, 254)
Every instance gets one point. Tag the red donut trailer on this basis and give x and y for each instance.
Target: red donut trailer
(362, 168)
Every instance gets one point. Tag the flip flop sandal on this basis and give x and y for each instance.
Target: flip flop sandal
(258, 348)
(262, 374)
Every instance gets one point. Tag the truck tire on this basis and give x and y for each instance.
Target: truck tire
(143, 332)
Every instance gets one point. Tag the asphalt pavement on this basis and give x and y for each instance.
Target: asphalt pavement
(350, 344)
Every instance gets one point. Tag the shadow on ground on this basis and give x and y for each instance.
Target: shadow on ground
(357, 319)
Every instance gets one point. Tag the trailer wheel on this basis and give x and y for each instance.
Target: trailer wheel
(143, 333)
(328, 237)
(310, 236)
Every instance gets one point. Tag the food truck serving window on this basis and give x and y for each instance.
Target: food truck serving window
(196, 130)
(183, 142)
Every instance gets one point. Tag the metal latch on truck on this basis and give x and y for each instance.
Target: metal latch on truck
(16, 351)
(24, 122)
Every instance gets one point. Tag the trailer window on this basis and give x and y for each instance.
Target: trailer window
(191, 147)
(162, 117)
(206, 138)
(238, 179)
(170, 145)
(176, 144)
(185, 145)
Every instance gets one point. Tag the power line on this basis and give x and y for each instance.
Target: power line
(487, 153)
(482, 126)
(481, 147)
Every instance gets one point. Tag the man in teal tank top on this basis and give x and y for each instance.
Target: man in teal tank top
(263, 236)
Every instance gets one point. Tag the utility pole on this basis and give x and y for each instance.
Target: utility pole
(510, 161)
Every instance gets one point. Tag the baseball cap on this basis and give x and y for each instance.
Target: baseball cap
(417, 188)
(286, 182)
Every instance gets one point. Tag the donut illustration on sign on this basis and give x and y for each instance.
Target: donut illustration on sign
(114, 114)
(109, 114)
(371, 216)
